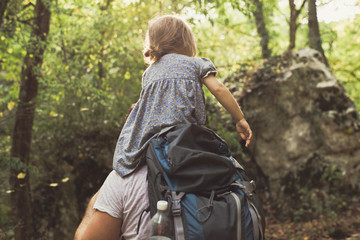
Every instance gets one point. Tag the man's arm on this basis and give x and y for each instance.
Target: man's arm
(102, 226)
(89, 212)
(98, 225)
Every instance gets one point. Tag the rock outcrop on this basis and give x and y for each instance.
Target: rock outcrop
(306, 128)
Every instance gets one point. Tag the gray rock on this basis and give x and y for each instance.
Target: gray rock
(304, 125)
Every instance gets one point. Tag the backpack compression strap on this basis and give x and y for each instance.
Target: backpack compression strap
(256, 219)
(176, 211)
(249, 188)
(255, 216)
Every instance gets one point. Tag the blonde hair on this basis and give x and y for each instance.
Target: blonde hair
(168, 34)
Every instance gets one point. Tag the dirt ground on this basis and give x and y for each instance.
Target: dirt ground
(344, 225)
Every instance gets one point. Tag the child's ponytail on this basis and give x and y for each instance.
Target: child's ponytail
(152, 54)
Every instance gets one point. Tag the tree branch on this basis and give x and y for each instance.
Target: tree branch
(356, 68)
(27, 21)
(29, 4)
(3, 6)
(297, 11)
(302, 5)
(353, 74)
(106, 6)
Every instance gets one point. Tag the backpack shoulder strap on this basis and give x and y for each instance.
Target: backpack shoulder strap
(139, 222)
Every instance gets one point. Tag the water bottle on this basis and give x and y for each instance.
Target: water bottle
(160, 223)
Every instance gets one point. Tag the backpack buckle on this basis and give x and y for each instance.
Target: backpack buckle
(250, 188)
(176, 203)
(176, 208)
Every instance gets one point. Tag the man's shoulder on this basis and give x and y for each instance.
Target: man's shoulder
(117, 191)
(138, 174)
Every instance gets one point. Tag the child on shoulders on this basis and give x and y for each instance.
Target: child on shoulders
(171, 91)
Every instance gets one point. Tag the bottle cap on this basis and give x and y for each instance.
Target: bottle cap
(162, 205)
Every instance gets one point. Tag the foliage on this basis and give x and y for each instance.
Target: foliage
(92, 74)
(345, 62)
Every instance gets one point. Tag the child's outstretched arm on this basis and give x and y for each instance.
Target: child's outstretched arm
(226, 99)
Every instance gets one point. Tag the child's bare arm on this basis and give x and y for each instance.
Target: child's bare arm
(223, 95)
(226, 99)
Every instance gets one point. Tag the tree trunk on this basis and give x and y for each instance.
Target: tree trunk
(3, 5)
(314, 32)
(293, 25)
(294, 13)
(21, 140)
(261, 29)
(101, 69)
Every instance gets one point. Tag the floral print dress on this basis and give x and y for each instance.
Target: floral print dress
(171, 94)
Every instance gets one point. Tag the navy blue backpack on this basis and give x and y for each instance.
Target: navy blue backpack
(209, 194)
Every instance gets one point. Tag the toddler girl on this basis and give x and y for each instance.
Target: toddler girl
(171, 91)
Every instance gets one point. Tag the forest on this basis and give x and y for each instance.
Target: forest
(70, 70)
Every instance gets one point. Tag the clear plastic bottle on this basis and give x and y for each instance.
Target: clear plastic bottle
(160, 223)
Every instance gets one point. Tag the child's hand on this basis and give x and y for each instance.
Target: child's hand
(243, 128)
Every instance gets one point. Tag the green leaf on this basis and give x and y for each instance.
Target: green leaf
(127, 75)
